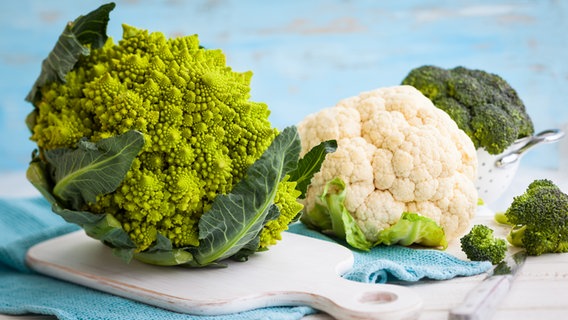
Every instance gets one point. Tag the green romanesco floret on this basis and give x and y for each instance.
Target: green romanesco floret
(539, 219)
(482, 104)
(201, 132)
(289, 209)
(480, 244)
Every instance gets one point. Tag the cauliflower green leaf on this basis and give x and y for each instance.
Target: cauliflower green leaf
(413, 228)
(331, 216)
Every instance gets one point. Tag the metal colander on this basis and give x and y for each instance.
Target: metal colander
(496, 172)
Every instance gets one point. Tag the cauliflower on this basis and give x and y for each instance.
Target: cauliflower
(397, 154)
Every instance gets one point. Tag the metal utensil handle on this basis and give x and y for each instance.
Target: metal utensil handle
(482, 301)
(547, 136)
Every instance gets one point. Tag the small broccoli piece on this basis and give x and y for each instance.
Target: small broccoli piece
(500, 218)
(481, 245)
(482, 104)
(540, 219)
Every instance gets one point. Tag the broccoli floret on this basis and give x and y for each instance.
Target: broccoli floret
(482, 104)
(500, 218)
(481, 245)
(540, 219)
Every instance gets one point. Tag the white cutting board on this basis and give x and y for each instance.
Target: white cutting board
(299, 270)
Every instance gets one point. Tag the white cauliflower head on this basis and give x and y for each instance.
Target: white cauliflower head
(396, 153)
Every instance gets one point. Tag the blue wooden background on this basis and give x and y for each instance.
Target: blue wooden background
(307, 55)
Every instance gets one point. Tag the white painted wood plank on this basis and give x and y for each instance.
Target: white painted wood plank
(539, 292)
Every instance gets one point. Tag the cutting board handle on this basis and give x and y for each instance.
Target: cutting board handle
(345, 299)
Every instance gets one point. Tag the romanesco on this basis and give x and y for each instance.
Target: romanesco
(201, 132)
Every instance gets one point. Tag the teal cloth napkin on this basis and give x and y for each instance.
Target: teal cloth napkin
(25, 222)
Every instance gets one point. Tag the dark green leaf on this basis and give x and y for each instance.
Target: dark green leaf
(253, 245)
(113, 236)
(31, 120)
(125, 254)
(93, 169)
(249, 249)
(165, 258)
(88, 31)
(162, 244)
(103, 227)
(80, 218)
(38, 177)
(235, 219)
(310, 164)
(162, 253)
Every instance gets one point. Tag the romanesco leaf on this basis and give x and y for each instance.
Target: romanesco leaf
(162, 253)
(310, 164)
(235, 219)
(80, 175)
(38, 176)
(104, 227)
(85, 33)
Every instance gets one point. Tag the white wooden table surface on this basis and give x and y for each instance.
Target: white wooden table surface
(540, 291)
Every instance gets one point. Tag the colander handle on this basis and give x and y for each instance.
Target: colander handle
(546, 136)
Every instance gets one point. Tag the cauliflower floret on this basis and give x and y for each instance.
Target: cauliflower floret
(396, 153)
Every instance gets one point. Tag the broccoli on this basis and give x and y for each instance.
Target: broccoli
(196, 136)
(539, 219)
(481, 245)
(500, 218)
(482, 104)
